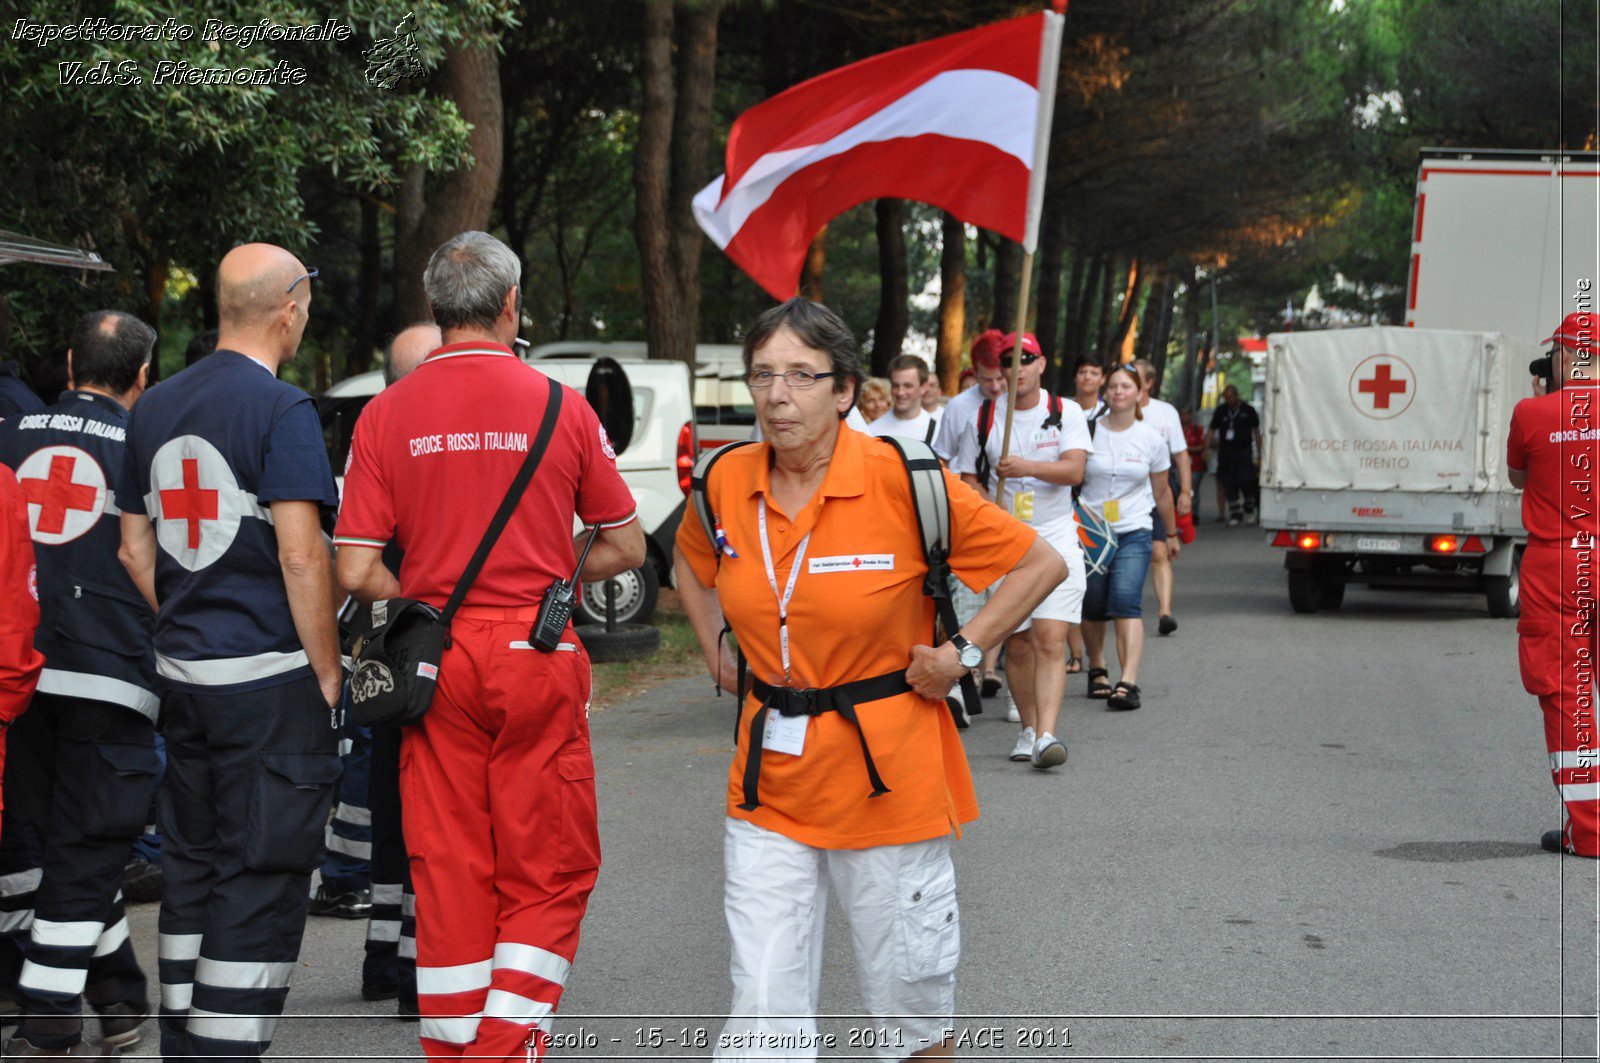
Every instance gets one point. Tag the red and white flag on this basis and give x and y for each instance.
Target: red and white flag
(961, 122)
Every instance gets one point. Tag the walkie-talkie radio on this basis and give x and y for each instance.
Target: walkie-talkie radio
(559, 601)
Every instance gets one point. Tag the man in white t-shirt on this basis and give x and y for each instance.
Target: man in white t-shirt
(1088, 377)
(906, 417)
(959, 415)
(1163, 417)
(1049, 445)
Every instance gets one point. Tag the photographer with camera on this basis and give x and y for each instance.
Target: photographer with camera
(1551, 453)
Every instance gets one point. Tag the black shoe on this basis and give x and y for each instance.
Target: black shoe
(384, 991)
(1552, 842)
(355, 904)
(19, 1047)
(958, 712)
(991, 685)
(1168, 624)
(120, 1023)
(406, 1010)
(142, 882)
(1124, 697)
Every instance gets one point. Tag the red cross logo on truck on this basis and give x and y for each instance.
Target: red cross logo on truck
(66, 492)
(1383, 386)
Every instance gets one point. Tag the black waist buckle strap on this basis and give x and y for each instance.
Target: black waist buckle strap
(793, 701)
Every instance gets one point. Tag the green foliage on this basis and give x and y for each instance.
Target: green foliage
(156, 172)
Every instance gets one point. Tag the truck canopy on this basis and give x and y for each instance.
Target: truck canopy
(1392, 409)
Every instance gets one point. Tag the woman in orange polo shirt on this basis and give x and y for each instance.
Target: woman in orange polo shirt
(856, 775)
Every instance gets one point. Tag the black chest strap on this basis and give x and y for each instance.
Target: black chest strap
(843, 699)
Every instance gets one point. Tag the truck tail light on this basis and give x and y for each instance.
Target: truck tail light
(1305, 540)
(686, 454)
(1444, 544)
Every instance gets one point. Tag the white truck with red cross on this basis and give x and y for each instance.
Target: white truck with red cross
(1385, 447)
(1385, 462)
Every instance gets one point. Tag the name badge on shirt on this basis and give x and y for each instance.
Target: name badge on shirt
(1022, 506)
(1227, 435)
(1112, 509)
(851, 563)
(785, 734)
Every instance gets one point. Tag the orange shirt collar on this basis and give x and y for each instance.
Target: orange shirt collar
(847, 476)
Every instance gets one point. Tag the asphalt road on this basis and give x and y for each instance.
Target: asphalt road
(1317, 840)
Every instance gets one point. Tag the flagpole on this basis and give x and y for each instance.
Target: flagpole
(1049, 65)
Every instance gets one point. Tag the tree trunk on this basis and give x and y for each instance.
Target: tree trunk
(460, 201)
(1163, 326)
(816, 264)
(367, 284)
(1130, 310)
(1052, 251)
(952, 302)
(1007, 278)
(691, 144)
(155, 294)
(1083, 309)
(669, 159)
(1187, 396)
(1102, 329)
(889, 334)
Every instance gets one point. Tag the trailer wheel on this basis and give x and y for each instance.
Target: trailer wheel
(1330, 587)
(1305, 592)
(1505, 592)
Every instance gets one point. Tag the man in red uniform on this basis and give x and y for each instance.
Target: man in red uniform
(497, 781)
(1552, 453)
(20, 663)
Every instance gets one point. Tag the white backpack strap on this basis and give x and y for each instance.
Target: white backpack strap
(698, 496)
(928, 494)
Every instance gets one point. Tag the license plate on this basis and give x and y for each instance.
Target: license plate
(1379, 544)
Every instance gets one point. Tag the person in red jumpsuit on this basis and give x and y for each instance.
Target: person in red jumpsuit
(497, 780)
(20, 663)
(1551, 453)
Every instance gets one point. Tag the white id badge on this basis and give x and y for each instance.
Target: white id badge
(1228, 435)
(785, 734)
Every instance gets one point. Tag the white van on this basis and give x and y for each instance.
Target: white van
(655, 465)
(723, 409)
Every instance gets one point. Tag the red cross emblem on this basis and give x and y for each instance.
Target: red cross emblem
(191, 502)
(65, 490)
(57, 493)
(1382, 386)
(856, 562)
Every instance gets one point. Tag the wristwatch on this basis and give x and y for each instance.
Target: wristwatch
(970, 656)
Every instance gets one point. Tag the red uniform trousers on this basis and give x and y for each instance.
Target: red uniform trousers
(498, 800)
(1556, 649)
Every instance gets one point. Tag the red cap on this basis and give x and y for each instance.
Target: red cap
(985, 349)
(1030, 345)
(1577, 331)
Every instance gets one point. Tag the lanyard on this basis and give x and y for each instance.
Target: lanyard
(772, 581)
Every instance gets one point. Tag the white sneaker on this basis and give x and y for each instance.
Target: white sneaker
(1012, 715)
(1023, 750)
(1048, 752)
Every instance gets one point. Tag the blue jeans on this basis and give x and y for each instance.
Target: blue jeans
(1119, 593)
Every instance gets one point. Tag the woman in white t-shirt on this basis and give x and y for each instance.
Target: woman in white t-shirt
(1125, 481)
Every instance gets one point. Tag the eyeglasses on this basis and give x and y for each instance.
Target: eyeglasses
(303, 277)
(794, 378)
(1007, 362)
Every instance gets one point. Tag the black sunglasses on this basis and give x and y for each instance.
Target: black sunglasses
(1007, 362)
(303, 277)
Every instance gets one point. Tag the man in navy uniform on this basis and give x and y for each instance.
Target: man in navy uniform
(84, 767)
(222, 498)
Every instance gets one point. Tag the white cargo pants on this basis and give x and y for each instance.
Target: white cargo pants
(904, 924)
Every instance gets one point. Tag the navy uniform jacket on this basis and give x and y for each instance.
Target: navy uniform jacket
(94, 628)
(15, 396)
(208, 451)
